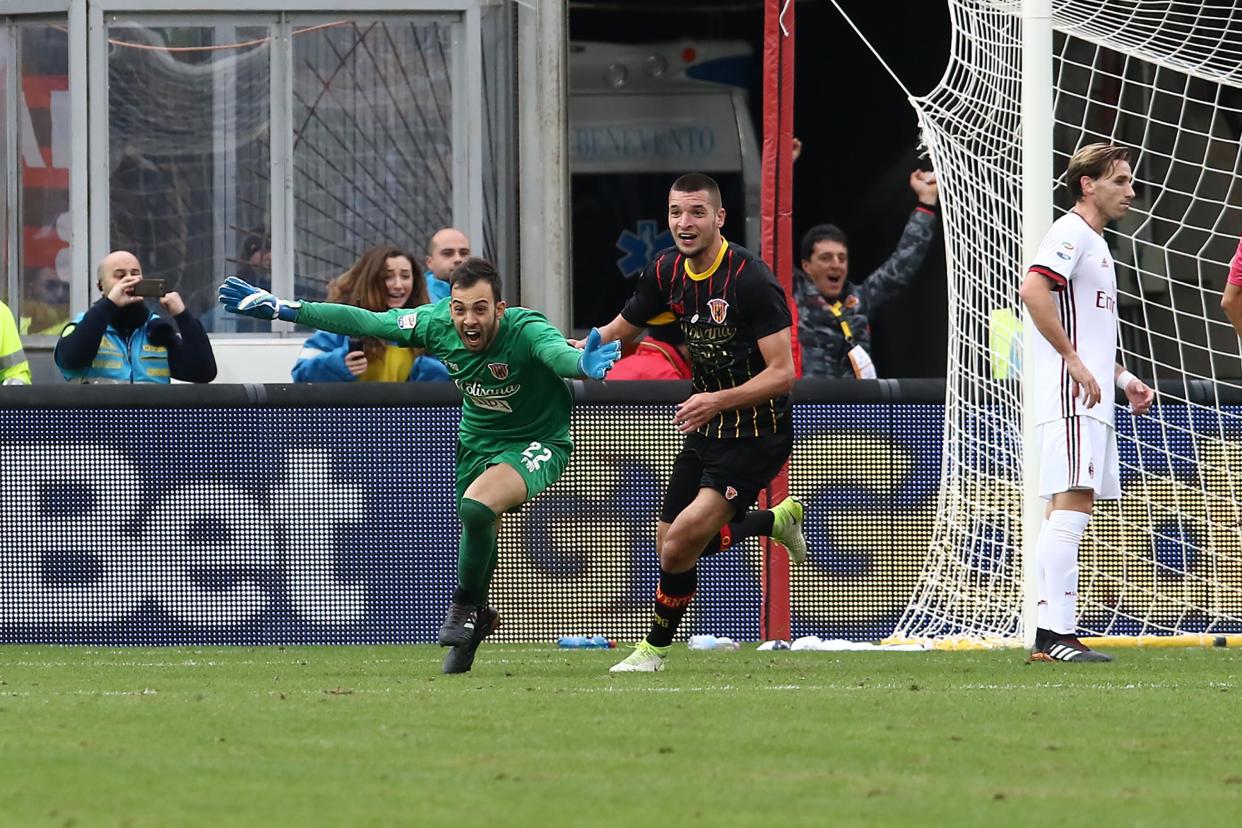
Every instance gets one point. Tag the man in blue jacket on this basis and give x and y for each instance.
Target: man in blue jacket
(448, 248)
(119, 340)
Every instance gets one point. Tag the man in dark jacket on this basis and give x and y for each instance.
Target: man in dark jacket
(834, 327)
(119, 340)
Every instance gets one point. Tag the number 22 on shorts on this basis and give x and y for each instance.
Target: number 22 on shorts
(535, 455)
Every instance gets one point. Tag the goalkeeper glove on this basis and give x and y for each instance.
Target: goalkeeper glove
(596, 359)
(244, 298)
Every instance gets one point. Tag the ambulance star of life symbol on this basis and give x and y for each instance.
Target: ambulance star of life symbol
(640, 247)
(499, 370)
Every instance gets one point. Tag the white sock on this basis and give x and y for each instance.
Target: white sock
(1041, 583)
(1056, 557)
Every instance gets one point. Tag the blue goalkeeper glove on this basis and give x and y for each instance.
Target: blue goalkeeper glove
(596, 359)
(244, 298)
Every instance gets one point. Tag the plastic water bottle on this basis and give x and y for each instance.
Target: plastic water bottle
(583, 642)
(712, 642)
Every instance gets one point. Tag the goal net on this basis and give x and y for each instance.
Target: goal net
(1165, 79)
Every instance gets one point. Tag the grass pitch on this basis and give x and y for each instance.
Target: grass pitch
(541, 737)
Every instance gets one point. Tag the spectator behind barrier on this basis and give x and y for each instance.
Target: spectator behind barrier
(382, 279)
(447, 249)
(119, 340)
(45, 306)
(14, 367)
(834, 325)
(254, 265)
(662, 355)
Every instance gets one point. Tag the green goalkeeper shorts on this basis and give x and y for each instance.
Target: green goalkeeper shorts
(539, 463)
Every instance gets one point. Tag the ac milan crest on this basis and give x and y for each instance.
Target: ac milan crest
(719, 309)
(500, 370)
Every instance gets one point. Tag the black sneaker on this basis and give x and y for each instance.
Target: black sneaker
(1043, 638)
(458, 626)
(461, 658)
(1068, 648)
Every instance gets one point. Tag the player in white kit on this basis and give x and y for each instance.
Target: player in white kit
(1070, 290)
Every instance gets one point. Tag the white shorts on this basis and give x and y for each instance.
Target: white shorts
(1078, 453)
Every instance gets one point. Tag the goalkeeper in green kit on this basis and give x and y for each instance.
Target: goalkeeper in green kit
(513, 441)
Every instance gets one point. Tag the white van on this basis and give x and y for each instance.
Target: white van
(640, 115)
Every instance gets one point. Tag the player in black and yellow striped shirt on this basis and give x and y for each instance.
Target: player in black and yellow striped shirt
(736, 323)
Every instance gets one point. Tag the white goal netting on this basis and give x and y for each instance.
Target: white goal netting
(1164, 78)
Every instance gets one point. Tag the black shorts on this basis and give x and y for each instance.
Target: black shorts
(737, 468)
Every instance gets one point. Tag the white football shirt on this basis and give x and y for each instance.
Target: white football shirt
(1076, 260)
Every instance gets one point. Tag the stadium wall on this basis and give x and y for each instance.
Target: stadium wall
(264, 514)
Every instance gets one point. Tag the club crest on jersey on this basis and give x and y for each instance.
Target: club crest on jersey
(407, 321)
(730, 492)
(452, 366)
(719, 309)
(851, 301)
(1091, 470)
(500, 370)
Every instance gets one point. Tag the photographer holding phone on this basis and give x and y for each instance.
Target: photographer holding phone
(120, 340)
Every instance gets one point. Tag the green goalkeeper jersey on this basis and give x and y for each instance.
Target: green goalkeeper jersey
(514, 391)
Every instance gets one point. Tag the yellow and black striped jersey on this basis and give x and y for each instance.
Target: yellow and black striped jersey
(724, 312)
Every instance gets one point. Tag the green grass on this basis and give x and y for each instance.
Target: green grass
(541, 737)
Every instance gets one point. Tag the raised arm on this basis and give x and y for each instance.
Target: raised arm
(397, 325)
(899, 270)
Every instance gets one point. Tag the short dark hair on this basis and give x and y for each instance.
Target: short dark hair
(1093, 161)
(256, 240)
(475, 270)
(694, 182)
(819, 233)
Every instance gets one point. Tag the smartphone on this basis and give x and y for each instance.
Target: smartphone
(355, 344)
(149, 287)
